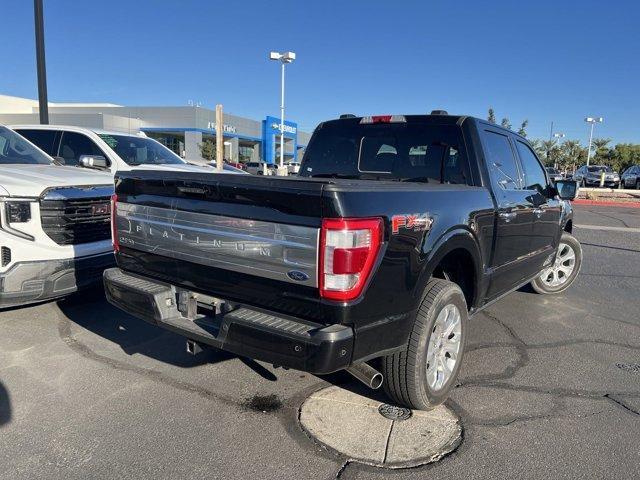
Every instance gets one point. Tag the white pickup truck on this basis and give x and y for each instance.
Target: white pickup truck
(55, 235)
(109, 151)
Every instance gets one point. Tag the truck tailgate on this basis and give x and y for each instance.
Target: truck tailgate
(244, 238)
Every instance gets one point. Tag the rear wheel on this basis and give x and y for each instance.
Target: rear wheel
(421, 375)
(560, 275)
(638, 184)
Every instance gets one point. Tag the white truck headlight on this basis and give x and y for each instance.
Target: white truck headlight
(18, 212)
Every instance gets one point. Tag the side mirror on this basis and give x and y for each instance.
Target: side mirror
(567, 189)
(93, 161)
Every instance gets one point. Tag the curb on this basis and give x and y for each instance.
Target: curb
(605, 203)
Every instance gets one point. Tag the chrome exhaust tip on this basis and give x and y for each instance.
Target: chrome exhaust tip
(366, 374)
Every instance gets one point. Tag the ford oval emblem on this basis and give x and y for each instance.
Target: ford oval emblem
(297, 275)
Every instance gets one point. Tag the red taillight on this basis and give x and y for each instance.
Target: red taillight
(114, 229)
(348, 251)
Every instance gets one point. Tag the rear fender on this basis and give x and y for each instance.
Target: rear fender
(458, 238)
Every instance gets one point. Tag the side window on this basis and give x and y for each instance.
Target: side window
(73, 145)
(534, 178)
(44, 139)
(501, 162)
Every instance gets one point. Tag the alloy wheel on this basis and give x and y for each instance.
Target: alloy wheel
(444, 347)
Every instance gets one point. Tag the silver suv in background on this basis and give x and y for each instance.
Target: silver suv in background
(631, 177)
(590, 176)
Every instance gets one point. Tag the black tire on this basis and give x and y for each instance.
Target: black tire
(405, 372)
(584, 183)
(621, 184)
(638, 184)
(539, 286)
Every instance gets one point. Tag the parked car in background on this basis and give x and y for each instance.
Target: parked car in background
(55, 235)
(238, 165)
(590, 176)
(255, 168)
(631, 177)
(293, 167)
(104, 150)
(397, 230)
(554, 174)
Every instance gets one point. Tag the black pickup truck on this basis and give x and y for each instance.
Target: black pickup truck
(396, 230)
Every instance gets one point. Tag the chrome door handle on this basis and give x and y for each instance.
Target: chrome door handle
(508, 216)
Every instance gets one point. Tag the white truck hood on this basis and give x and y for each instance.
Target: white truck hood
(31, 180)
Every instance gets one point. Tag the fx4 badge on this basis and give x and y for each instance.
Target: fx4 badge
(419, 222)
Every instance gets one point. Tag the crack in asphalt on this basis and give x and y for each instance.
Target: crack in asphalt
(558, 394)
(622, 404)
(611, 217)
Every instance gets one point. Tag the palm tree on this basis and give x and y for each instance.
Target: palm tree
(549, 147)
(601, 151)
(572, 154)
(491, 117)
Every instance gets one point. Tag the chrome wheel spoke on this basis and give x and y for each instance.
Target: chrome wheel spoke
(562, 268)
(443, 346)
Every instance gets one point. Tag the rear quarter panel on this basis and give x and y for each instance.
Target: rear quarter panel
(462, 217)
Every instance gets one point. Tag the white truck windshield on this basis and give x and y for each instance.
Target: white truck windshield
(15, 149)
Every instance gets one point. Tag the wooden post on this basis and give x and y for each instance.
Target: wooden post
(219, 139)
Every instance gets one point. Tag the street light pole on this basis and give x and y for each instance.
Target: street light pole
(592, 121)
(40, 62)
(557, 136)
(282, 117)
(284, 58)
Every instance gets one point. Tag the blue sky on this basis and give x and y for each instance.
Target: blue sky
(541, 60)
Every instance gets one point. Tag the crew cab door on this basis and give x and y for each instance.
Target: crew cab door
(511, 261)
(547, 209)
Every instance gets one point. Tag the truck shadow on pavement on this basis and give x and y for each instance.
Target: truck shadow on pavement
(91, 311)
(5, 405)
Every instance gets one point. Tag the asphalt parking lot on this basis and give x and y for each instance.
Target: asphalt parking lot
(550, 388)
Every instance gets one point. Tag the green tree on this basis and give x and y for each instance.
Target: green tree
(506, 123)
(208, 150)
(523, 128)
(491, 117)
(572, 155)
(548, 147)
(623, 155)
(600, 150)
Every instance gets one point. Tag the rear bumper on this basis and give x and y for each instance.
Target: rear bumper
(29, 282)
(269, 337)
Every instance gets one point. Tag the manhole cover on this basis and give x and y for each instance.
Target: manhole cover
(366, 430)
(394, 413)
(629, 367)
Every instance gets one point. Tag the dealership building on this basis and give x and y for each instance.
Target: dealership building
(182, 129)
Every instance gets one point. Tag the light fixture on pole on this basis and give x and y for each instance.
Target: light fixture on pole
(557, 136)
(230, 145)
(284, 58)
(592, 121)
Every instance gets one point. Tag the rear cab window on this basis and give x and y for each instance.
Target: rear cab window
(403, 151)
